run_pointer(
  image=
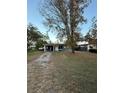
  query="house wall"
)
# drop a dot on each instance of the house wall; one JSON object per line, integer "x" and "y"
{"x": 56, "y": 48}
{"x": 44, "y": 48}
{"x": 49, "y": 48}
{"x": 83, "y": 47}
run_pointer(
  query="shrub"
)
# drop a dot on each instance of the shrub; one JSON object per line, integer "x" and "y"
{"x": 93, "y": 50}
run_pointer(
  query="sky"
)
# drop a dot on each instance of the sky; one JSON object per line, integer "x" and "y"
{"x": 34, "y": 17}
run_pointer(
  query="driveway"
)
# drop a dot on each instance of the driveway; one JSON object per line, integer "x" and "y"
{"x": 40, "y": 75}
{"x": 44, "y": 58}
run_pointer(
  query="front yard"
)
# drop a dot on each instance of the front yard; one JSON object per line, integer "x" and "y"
{"x": 76, "y": 73}
{"x": 65, "y": 73}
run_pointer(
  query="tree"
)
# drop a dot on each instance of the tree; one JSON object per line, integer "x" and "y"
{"x": 64, "y": 17}
{"x": 40, "y": 43}
{"x": 87, "y": 36}
{"x": 32, "y": 35}
{"x": 35, "y": 36}
{"x": 94, "y": 28}
{"x": 92, "y": 33}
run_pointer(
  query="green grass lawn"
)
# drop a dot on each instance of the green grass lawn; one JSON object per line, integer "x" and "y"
{"x": 31, "y": 55}
{"x": 76, "y": 73}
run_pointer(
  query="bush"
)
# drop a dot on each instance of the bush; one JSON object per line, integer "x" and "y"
{"x": 93, "y": 50}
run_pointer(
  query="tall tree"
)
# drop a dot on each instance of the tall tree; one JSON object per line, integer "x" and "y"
{"x": 64, "y": 17}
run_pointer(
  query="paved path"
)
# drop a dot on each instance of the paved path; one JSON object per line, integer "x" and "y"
{"x": 45, "y": 57}
{"x": 40, "y": 75}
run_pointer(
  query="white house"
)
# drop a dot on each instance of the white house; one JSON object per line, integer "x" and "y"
{"x": 82, "y": 46}
{"x": 54, "y": 47}
{"x": 87, "y": 45}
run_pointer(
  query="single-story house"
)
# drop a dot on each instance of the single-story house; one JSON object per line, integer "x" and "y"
{"x": 82, "y": 46}
{"x": 92, "y": 43}
{"x": 86, "y": 45}
{"x": 54, "y": 47}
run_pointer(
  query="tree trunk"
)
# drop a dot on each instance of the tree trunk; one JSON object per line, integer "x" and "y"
{"x": 73, "y": 23}
{"x": 72, "y": 40}
{"x": 73, "y": 50}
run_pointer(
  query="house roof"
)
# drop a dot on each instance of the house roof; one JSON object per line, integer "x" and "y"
{"x": 82, "y": 43}
{"x": 53, "y": 44}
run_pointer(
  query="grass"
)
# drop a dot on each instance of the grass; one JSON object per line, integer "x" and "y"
{"x": 31, "y": 55}
{"x": 76, "y": 73}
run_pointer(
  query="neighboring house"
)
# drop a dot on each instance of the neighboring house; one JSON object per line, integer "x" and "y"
{"x": 54, "y": 47}
{"x": 92, "y": 44}
{"x": 86, "y": 45}
{"x": 82, "y": 46}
